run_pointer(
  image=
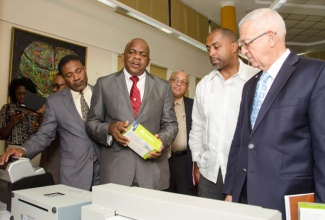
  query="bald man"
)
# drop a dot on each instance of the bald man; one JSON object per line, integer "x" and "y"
{"x": 180, "y": 161}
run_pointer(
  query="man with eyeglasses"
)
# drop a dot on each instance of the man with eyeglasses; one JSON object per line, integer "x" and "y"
{"x": 215, "y": 111}
{"x": 65, "y": 113}
{"x": 278, "y": 147}
{"x": 58, "y": 83}
{"x": 50, "y": 159}
{"x": 180, "y": 160}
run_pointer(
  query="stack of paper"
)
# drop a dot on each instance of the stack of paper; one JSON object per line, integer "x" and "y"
{"x": 311, "y": 211}
{"x": 291, "y": 204}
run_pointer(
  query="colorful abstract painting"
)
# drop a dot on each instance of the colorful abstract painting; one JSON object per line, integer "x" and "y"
{"x": 37, "y": 56}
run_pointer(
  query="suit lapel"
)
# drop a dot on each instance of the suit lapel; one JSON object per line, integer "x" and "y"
{"x": 69, "y": 104}
{"x": 147, "y": 91}
{"x": 251, "y": 91}
{"x": 188, "y": 113}
{"x": 121, "y": 84}
{"x": 280, "y": 81}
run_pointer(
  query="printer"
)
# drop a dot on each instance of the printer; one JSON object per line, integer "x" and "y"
{"x": 56, "y": 202}
{"x": 18, "y": 173}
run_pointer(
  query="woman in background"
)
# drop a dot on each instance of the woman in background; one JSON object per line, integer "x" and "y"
{"x": 18, "y": 124}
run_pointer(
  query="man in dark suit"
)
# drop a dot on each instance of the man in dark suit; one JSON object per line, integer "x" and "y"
{"x": 280, "y": 151}
{"x": 180, "y": 161}
{"x": 79, "y": 161}
{"x": 121, "y": 98}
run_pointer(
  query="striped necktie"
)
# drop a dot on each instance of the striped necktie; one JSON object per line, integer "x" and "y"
{"x": 135, "y": 96}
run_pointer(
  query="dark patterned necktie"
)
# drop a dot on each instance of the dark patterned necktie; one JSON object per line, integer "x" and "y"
{"x": 135, "y": 96}
{"x": 84, "y": 106}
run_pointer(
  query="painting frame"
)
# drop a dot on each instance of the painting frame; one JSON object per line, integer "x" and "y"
{"x": 36, "y": 56}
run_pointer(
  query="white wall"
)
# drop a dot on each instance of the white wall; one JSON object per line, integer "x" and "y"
{"x": 96, "y": 26}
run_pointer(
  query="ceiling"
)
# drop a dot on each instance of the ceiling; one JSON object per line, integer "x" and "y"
{"x": 305, "y": 19}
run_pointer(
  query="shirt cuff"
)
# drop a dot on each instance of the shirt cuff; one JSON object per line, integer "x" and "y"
{"x": 109, "y": 140}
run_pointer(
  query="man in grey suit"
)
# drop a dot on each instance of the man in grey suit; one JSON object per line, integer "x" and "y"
{"x": 79, "y": 161}
{"x": 112, "y": 111}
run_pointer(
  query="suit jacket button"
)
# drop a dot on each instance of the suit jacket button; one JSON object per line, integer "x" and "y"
{"x": 251, "y": 146}
{"x": 244, "y": 169}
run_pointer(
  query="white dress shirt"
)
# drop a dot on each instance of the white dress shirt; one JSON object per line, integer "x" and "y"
{"x": 76, "y": 98}
{"x": 129, "y": 83}
{"x": 141, "y": 83}
{"x": 214, "y": 119}
{"x": 274, "y": 69}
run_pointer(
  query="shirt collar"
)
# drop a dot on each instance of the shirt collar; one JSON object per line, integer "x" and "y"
{"x": 241, "y": 73}
{"x": 179, "y": 101}
{"x": 276, "y": 66}
{"x": 128, "y": 75}
{"x": 76, "y": 95}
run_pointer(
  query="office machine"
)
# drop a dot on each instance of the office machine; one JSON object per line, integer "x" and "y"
{"x": 139, "y": 203}
{"x": 56, "y": 202}
{"x": 18, "y": 173}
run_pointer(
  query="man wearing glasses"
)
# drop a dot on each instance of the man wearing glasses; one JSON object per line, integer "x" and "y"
{"x": 58, "y": 83}
{"x": 50, "y": 159}
{"x": 278, "y": 147}
{"x": 215, "y": 111}
{"x": 180, "y": 160}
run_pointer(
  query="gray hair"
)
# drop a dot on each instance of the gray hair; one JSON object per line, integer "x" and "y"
{"x": 266, "y": 17}
{"x": 177, "y": 71}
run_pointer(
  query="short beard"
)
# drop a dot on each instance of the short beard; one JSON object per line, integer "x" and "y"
{"x": 218, "y": 66}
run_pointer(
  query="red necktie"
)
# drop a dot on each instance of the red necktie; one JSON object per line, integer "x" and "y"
{"x": 135, "y": 96}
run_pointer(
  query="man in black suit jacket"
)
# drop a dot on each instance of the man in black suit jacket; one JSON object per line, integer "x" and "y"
{"x": 281, "y": 151}
{"x": 180, "y": 161}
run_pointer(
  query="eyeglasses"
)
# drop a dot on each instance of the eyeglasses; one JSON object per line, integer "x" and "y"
{"x": 247, "y": 43}
{"x": 176, "y": 80}
{"x": 57, "y": 85}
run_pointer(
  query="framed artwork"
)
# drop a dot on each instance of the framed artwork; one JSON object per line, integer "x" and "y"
{"x": 37, "y": 56}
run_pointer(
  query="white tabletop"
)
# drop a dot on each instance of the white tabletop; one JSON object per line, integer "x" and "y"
{"x": 4, "y": 214}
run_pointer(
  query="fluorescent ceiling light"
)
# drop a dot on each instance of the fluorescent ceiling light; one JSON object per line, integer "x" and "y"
{"x": 150, "y": 21}
{"x": 166, "y": 30}
{"x": 110, "y": 4}
{"x": 277, "y": 4}
{"x": 190, "y": 41}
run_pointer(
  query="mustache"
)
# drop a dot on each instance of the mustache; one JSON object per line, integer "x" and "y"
{"x": 215, "y": 59}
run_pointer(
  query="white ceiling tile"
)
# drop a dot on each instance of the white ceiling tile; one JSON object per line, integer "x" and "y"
{"x": 304, "y": 24}
{"x": 299, "y": 38}
{"x": 321, "y": 34}
{"x": 295, "y": 31}
{"x": 297, "y": 1}
{"x": 314, "y": 39}
{"x": 318, "y": 26}
{"x": 315, "y": 2}
{"x": 290, "y": 23}
{"x": 314, "y": 18}
{"x": 309, "y": 32}
{"x": 296, "y": 17}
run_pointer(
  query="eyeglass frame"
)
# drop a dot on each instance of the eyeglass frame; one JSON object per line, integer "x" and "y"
{"x": 247, "y": 43}
{"x": 176, "y": 80}
{"x": 57, "y": 85}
